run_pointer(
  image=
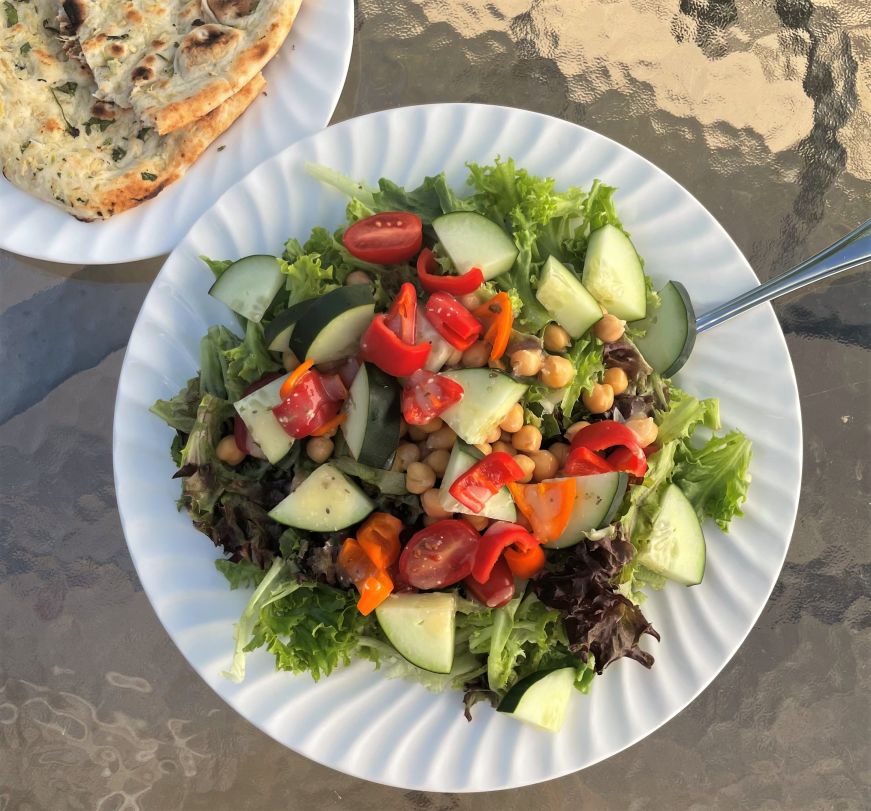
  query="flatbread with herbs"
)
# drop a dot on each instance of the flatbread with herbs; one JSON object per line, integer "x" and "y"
{"x": 173, "y": 62}
{"x": 91, "y": 158}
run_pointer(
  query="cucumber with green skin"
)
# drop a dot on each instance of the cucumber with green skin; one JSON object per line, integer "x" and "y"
{"x": 597, "y": 499}
{"x": 249, "y": 285}
{"x": 372, "y": 426}
{"x": 421, "y": 627}
{"x": 613, "y": 274}
{"x": 472, "y": 240}
{"x": 255, "y": 409}
{"x": 566, "y": 299}
{"x": 331, "y": 328}
{"x": 488, "y": 396}
{"x": 276, "y": 334}
{"x": 541, "y": 698}
{"x": 670, "y": 332}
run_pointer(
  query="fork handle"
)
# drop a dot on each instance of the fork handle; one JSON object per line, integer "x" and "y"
{"x": 846, "y": 253}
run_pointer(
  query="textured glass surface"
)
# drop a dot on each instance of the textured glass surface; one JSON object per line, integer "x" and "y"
{"x": 763, "y": 111}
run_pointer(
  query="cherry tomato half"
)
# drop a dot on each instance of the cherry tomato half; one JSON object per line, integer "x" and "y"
{"x": 425, "y": 395}
{"x": 385, "y": 239}
{"x": 439, "y": 555}
{"x": 497, "y": 590}
{"x": 307, "y": 407}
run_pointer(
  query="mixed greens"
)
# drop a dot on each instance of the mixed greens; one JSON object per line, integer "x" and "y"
{"x": 444, "y": 439}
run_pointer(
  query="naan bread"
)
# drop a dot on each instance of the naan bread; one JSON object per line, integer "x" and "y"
{"x": 173, "y": 62}
{"x": 89, "y": 157}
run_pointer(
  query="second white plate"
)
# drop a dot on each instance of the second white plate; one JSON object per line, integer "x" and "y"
{"x": 392, "y": 731}
{"x": 304, "y": 82}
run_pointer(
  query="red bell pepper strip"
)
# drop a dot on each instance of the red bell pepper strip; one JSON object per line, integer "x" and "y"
{"x": 427, "y": 266}
{"x": 484, "y": 479}
{"x": 426, "y": 394}
{"x": 402, "y": 315}
{"x": 524, "y": 563}
{"x": 600, "y": 436}
{"x": 498, "y": 319}
{"x": 547, "y": 506}
{"x": 383, "y": 347}
{"x": 494, "y": 541}
{"x": 584, "y": 462}
{"x": 452, "y": 321}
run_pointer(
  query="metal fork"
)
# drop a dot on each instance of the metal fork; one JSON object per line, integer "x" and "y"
{"x": 845, "y": 254}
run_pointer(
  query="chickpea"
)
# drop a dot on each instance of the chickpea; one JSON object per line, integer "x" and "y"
{"x": 432, "y": 506}
{"x": 556, "y": 371}
{"x": 645, "y": 429}
{"x": 289, "y": 361}
{"x": 416, "y": 433}
{"x": 503, "y": 447}
{"x": 556, "y": 339}
{"x": 228, "y": 451}
{"x": 546, "y": 465}
{"x": 476, "y": 355}
{"x": 526, "y": 439}
{"x": 357, "y": 277}
{"x": 609, "y": 328}
{"x": 419, "y": 478}
{"x": 513, "y": 420}
{"x": 435, "y": 424}
{"x": 444, "y": 437}
{"x": 438, "y": 461}
{"x": 319, "y": 448}
{"x": 527, "y": 466}
{"x": 600, "y": 399}
{"x": 478, "y": 522}
{"x": 405, "y": 454}
{"x": 525, "y": 362}
{"x": 470, "y": 300}
{"x": 616, "y": 379}
{"x": 485, "y": 448}
{"x": 560, "y": 452}
{"x": 495, "y": 435}
{"x": 574, "y": 428}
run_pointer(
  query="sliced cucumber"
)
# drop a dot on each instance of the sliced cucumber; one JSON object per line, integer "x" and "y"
{"x": 421, "y": 628}
{"x": 500, "y": 506}
{"x": 331, "y": 328}
{"x": 487, "y": 397}
{"x": 372, "y": 426}
{"x": 276, "y": 333}
{"x": 326, "y": 501}
{"x": 670, "y": 332}
{"x": 566, "y": 299}
{"x": 613, "y": 274}
{"x": 256, "y": 412}
{"x": 676, "y": 548}
{"x": 542, "y": 698}
{"x": 441, "y": 350}
{"x": 248, "y": 286}
{"x": 473, "y": 241}
{"x": 597, "y": 499}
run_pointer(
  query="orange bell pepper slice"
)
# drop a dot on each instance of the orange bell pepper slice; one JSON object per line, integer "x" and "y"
{"x": 354, "y": 563}
{"x": 498, "y": 319}
{"x": 328, "y": 426}
{"x": 547, "y": 506}
{"x": 379, "y": 539}
{"x": 524, "y": 563}
{"x": 293, "y": 378}
{"x": 374, "y": 591}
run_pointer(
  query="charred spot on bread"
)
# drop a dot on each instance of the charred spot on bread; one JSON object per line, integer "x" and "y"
{"x": 75, "y": 11}
{"x": 104, "y": 110}
{"x": 206, "y": 44}
{"x": 230, "y": 10}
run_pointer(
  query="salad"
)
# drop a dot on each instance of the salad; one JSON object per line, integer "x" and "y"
{"x": 444, "y": 439}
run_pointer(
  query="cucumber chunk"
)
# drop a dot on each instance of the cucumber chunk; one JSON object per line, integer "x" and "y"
{"x": 613, "y": 274}
{"x": 487, "y": 397}
{"x": 276, "y": 334}
{"x": 331, "y": 328}
{"x": 597, "y": 499}
{"x": 670, "y": 332}
{"x": 471, "y": 240}
{"x": 326, "y": 501}
{"x": 256, "y": 412}
{"x": 371, "y": 428}
{"x": 500, "y": 506}
{"x": 421, "y": 627}
{"x": 248, "y": 286}
{"x": 676, "y": 548}
{"x": 542, "y": 698}
{"x": 566, "y": 299}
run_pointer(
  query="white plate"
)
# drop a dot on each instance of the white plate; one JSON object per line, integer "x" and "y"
{"x": 395, "y": 732}
{"x": 304, "y": 81}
